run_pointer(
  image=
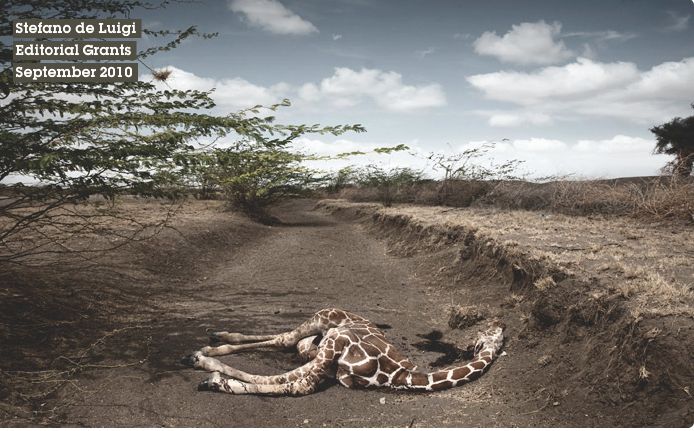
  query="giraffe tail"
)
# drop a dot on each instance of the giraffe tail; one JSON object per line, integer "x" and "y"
{"x": 487, "y": 349}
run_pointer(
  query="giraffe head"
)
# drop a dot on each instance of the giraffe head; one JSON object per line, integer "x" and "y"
{"x": 492, "y": 339}
{"x": 307, "y": 348}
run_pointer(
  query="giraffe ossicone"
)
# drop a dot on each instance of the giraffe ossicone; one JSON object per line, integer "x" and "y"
{"x": 337, "y": 344}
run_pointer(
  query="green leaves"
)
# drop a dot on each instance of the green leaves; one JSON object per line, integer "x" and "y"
{"x": 181, "y": 35}
{"x": 76, "y": 140}
{"x": 389, "y": 150}
{"x": 251, "y": 173}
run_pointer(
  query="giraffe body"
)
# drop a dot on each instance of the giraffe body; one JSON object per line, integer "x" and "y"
{"x": 337, "y": 345}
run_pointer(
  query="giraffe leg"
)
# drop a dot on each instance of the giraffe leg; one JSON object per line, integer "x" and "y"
{"x": 236, "y": 338}
{"x": 304, "y": 386}
{"x": 305, "y": 346}
{"x": 301, "y": 381}
{"x": 226, "y": 349}
{"x": 203, "y": 362}
{"x": 313, "y": 326}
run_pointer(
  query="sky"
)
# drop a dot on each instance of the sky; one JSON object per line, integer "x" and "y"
{"x": 569, "y": 87}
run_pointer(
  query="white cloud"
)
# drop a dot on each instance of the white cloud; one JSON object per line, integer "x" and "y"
{"x": 605, "y": 35}
{"x": 671, "y": 80}
{"x": 271, "y": 15}
{"x": 349, "y": 87}
{"x": 345, "y": 88}
{"x": 539, "y": 145}
{"x": 337, "y": 36}
{"x": 618, "y": 144}
{"x": 588, "y": 52}
{"x": 619, "y": 156}
{"x": 424, "y": 52}
{"x": 309, "y": 92}
{"x": 234, "y": 93}
{"x": 513, "y": 119}
{"x": 525, "y": 43}
{"x": 575, "y": 79}
{"x": 589, "y": 88}
{"x": 677, "y": 22}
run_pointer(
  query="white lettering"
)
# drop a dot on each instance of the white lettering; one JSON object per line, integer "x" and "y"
{"x": 41, "y": 28}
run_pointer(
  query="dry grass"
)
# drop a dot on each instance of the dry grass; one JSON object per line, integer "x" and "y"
{"x": 649, "y": 264}
{"x": 658, "y": 198}
{"x": 545, "y": 283}
{"x": 653, "y": 291}
{"x": 649, "y": 197}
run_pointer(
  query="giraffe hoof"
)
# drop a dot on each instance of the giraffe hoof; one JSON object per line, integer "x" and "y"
{"x": 211, "y": 383}
{"x": 188, "y": 361}
{"x": 191, "y": 360}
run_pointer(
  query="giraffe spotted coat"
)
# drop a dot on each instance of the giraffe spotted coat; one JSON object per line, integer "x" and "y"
{"x": 336, "y": 345}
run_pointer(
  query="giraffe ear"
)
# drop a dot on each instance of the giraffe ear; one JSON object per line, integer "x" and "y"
{"x": 478, "y": 346}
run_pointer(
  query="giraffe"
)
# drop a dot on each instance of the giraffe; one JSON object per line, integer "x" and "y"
{"x": 336, "y": 344}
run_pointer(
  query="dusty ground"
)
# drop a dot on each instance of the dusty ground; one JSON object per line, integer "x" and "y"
{"x": 110, "y": 333}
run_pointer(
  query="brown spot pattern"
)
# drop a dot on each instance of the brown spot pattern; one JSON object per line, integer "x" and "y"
{"x": 354, "y": 351}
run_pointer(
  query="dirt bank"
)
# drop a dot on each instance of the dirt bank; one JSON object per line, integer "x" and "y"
{"x": 609, "y": 301}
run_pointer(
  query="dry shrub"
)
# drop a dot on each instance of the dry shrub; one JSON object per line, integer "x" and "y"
{"x": 545, "y": 283}
{"x": 359, "y": 194}
{"x": 569, "y": 197}
{"x": 406, "y": 193}
{"x": 671, "y": 199}
{"x": 647, "y": 197}
{"x": 454, "y": 193}
{"x": 463, "y": 193}
{"x": 461, "y": 317}
{"x": 643, "y": 197}
{"x": 427, "y": 194}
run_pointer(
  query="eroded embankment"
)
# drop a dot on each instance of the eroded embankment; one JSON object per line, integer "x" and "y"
{"x": 609, "y": 300}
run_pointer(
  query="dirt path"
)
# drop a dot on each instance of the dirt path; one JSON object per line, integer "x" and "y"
{"x": 271, "y": 285}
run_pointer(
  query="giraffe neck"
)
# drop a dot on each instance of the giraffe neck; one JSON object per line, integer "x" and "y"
{"x": 448, "y": 378}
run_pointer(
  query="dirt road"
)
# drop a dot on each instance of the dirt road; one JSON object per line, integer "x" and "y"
{"x": 270, "y": 281}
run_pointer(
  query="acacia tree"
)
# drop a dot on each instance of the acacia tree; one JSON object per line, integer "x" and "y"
{"x": 75, "y": 140}
{"x": 387, "y": 182}
{"x": 255, "y": 171}
{"x": 464, "y": 166}
{"x": 676, "y": 137}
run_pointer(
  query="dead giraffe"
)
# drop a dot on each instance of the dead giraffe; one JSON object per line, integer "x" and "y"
{"x": 341, "y": 345}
